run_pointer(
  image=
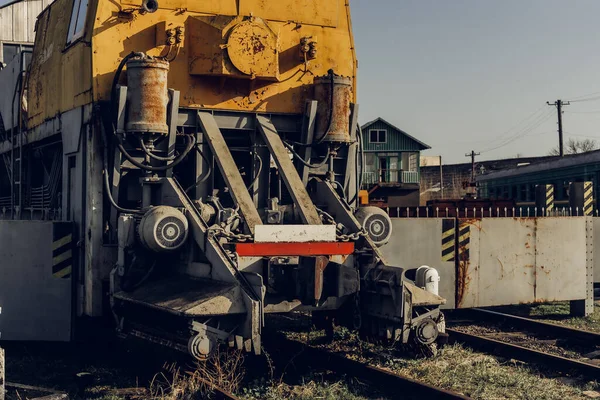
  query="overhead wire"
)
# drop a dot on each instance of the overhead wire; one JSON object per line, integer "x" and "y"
{"x": 524, "y": 131}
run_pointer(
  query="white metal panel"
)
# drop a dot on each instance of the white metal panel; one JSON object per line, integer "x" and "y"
{"x": 596, "y": 224}
{"x": 20, "y": 21}
{"x": 34, "y": 8}
{"x": 6, "y": 24}
{"x": 561, "y": 259}
{"x": 294, "y": 233}
{"x": 419, "y": 241}
{"x": 500, "y": 268}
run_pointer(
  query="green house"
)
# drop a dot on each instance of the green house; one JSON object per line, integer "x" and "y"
{"x": 391, "y": 174}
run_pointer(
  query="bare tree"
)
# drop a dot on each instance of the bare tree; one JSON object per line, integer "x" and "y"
{"x": 574, "y": 146}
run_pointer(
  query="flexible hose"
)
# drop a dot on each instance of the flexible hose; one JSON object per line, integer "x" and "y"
{"x": 107, "y": 182}
{"x": 260, "y": 167}
{"x": 299, "y": 157}
{"x": 359, "y": 155}
{"x": 190, "y": 145}
{"x": 115, "y": 81}
{"x": 208, "y": 172}
{"x": 152, "y": 155}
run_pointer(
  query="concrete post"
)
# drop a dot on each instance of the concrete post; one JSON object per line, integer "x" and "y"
{"x": 544, "y": 200}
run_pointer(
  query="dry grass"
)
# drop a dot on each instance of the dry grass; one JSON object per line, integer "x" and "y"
{"x": 223, "y": 369}
{"x": 462, "y": 370}
{"x": 485, "y": 377}
{"x": 312, "y": 386}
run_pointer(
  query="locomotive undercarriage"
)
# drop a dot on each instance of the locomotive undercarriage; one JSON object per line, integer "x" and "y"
{"x": 215, "y": 285}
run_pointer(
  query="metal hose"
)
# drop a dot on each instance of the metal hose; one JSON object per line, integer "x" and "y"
{"x": 190, "y": 145}
{"x": 107, "y": 182}
{"x": 299, "y": 157}
{"x": 152, "y": 155}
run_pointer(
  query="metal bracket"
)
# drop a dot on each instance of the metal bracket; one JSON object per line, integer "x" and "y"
{"x": 288, "y": 172}
{"x": 229, "y": 170}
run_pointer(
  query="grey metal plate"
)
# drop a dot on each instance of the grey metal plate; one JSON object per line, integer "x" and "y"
{"x": 420, "y": 241}
{"x": 189, "y": 296}
{"x": 35, "y": 284}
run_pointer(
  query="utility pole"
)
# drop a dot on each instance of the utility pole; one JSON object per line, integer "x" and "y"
{"x": 559, "y": 105}
{"x": 472, "y": 154}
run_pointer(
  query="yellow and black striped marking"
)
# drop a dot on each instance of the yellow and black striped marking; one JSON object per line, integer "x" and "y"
{"x": 62, "y": 251}
{"x": 448, "y": 240}
{"x": 549, "y": 198}
{"x": 464, "y": 240}
{"x": 588, "y": 198}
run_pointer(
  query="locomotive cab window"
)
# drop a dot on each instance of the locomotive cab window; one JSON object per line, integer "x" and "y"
{"x": 77, "y": 24}
{"x": 377, "y": 136}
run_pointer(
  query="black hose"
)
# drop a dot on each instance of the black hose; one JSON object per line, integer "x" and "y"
{"x": 191, "y": 143}
{"x": 260, "y": 167}
{"x": 359, "y": 154}
{"x": 113, "y": 88}
{"x": 206, "y": 175}
{"x": 332, "y": 77}
{"x": 107, "y": 182}
{"x": 152, "y": 155}
{"x": 299, "y": 157}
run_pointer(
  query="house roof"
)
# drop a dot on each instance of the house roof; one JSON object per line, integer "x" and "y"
{"x": 592, "y": 157}
{"x": 424, "y": 145}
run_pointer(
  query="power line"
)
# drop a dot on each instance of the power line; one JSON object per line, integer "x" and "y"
{"x": 524, "y": 131}
{"x": 585, "y": 95}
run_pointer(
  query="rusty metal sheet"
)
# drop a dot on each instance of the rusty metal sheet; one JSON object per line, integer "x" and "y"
{"x": 309, "y": 12}
{"x": 561, "y": 259}
{"x": 496, "y": 262}
{"x": 425, "y": 241}
{"x": 505, "y": 261}
{"x": 596, "y": 239}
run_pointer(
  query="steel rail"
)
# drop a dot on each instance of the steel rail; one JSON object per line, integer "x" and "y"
{"x": 503, "y": 349}
{"x": 383, "y": 380}
{"x": 540, "y": 327}
{"x": 220, "y": 394}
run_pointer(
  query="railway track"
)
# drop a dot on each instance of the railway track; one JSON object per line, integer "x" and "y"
{"x": 536, "y": 326}
{"x": 394, "y": 385}
{"x": 219, "y": 393}
{"x": 502, "y": 348}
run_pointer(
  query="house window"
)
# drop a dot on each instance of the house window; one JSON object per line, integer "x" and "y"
{"x": 378, "y": 136}
{"x": 77, "y": 25}
{"x": 412, "y": 162}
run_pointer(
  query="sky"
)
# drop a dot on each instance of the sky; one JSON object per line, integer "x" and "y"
{"x": 464, "y": 75}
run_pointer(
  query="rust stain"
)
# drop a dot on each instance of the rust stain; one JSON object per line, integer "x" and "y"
{"x": 463, "y": 279}
{"x": 527, "y": 245}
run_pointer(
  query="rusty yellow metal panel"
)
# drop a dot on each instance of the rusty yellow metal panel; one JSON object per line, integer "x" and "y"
{"x": 310, "y": 12}
{"x": 216, "y": 7}
{"x": 204, "y": 72}
{"x": 275, "y": 76}
{"x": 60, "y": 78}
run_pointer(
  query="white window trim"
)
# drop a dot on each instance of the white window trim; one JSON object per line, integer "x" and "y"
{"x": 378, "y": 130}
{"x": 73, "y": 36}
